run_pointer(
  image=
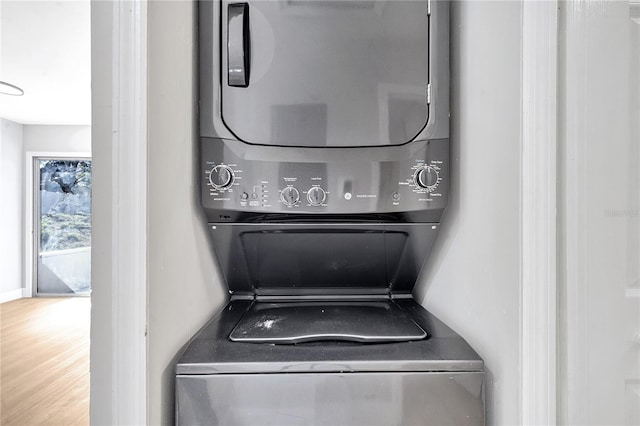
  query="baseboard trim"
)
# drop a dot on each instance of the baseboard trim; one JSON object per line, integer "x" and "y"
{"x": 8, "y": 296}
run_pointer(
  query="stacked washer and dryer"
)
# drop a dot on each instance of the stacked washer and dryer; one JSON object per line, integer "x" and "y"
{"x": 324, "y": 175}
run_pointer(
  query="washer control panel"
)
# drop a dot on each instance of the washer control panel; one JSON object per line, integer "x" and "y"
{"x": 326, "y": 181}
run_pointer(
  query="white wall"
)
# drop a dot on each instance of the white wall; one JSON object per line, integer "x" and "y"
{"x": 11, "y": 222}
{"x": 185, "y": 288}
{"x": 599, "y": 214}
{"x": 57, "y": 138}
{"x": 16, "y": 140}
{"x": 472, "y": 279}
{"x": 64, "y": 140}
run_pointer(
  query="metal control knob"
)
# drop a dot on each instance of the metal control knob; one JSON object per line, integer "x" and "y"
{"x": 426, "y": 177}
{"x": 221, "y": 177}
{"x": 290, "y": 196}
{"x": 316, "y": 196}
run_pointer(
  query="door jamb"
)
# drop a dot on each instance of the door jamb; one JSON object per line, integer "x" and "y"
{"x": 538, "y": 314}
{"x": 119, "y": 209}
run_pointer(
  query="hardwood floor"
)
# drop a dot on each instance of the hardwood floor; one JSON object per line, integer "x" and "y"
{"x": 44, "y": 361}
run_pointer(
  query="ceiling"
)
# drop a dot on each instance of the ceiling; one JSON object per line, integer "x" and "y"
{"x": 45, "y": 49}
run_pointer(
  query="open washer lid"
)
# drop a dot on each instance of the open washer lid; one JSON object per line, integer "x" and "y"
{"x": 299, "y": 322}
{"x": 321, "y": 259}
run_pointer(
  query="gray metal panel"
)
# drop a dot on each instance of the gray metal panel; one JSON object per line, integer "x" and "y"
{"x": 211, "y": 124}
{"x": 438, "y": 126}
{"x": 211, "y": 351}
{"x": 300, "y": 322}
{"x": 331, "y": 399}
{"x": 355, "y": 181}
{"x": 321, "y": 258}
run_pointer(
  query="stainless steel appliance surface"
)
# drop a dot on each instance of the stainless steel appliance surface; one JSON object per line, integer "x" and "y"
{"x": 241, "y": 182}
{"x": 436, "y": 381}
{"x": 324, "y": 173}
{"x": 324, "y": 73}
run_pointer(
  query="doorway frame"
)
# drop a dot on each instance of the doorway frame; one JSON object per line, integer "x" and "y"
{"x": 30, "y": 231}
{"x": 538, "y": 233}
{"x": 119, "y": 211}
{"x": 118, "y": 346}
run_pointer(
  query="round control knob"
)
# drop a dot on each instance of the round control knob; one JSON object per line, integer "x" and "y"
{"x": 316, "y": 196}
{"x": 426, "y": 177}
{"x": 221, "y": 177}
{"x": 290, "y": 196}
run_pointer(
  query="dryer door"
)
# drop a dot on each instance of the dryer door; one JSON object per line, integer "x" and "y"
{"x": 324, "y": 73}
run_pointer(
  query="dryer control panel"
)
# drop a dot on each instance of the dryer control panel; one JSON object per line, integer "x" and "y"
{"x": 238, "y": 178}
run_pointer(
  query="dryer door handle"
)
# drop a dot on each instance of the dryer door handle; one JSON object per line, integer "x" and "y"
{"x": 238, "y": 44}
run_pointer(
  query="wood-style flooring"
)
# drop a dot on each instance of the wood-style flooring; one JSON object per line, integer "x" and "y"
{"x": 44, "y": 361}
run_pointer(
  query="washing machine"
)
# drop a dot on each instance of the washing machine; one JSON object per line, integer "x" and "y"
{"x": 324, "y": 173}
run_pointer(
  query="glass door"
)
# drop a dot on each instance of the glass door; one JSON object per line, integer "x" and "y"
{"x": 63, "y": 226}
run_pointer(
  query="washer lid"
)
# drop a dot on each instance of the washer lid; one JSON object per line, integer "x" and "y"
{"x": 325, "y": 73}
{"x": 299, "y": 322}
